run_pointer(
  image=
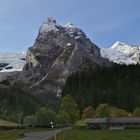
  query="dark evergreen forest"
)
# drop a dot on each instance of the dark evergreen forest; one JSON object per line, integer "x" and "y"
{"x": 13, "y": 101}
{"x": 118, "y": 86}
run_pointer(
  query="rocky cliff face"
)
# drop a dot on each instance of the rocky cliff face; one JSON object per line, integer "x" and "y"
{"x": 57, "y": 52}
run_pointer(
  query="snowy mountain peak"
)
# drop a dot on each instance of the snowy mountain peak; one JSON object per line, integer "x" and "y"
{"x": 122, "y": 53}
{"x": 118, "y": 43}
{"x": 49, "y": 25}
{"x": 125, "y": 48}
{"x": 69, "y": 25}
{"x": 74, "y": 32}
{"x": 51, "y": 20}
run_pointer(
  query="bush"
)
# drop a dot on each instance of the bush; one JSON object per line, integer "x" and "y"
{"x": 80, "y": 125}
{"x": 44, "y": 116}
{"x": 117, "y": 112}
{"x": 103, "y": 110}
{"x": 88, "y": 112}
{"x": 30, "y": 120}
{"x": 137, "y": 112}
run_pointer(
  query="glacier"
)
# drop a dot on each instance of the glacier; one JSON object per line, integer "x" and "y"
{"x": 122, "y": 53}
{"x": 10, "y": 62}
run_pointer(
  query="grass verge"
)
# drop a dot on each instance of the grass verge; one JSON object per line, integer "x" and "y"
{"x": 14, "y": 134}
{"x": 7, "y": 123}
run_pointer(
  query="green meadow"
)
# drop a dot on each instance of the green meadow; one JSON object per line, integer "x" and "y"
{"x": 104, "y": 135}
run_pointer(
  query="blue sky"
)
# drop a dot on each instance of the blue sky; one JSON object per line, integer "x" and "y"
{"x": 104, "y": 21}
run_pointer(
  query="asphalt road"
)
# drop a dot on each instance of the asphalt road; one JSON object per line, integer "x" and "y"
{"x": 42, "y": 135}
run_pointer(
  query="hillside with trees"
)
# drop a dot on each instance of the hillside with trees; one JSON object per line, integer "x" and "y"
{"x": 118, "y": 86}
{"x": 14, "y": 102}
{"x": 107, "y": 91}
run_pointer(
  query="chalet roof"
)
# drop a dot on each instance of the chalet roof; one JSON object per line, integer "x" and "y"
{"x": 124, "y": 120}
{"x": 128, "y": 120}
{"x": 96, "y": 120}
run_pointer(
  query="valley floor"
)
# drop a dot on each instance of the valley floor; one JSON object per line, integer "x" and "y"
{"x": 104, "y": 135}
{"x": 133, "y": 134}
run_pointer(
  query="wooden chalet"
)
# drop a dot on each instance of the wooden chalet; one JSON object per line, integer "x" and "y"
{"x": 113, "y": 122}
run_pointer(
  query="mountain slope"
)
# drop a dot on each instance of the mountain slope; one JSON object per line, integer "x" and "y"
{"x": 122, "y": 53}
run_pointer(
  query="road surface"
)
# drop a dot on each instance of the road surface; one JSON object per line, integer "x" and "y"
{"x": 45, "y": 135}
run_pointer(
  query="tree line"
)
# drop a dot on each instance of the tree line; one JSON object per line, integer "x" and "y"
{"x": 69, "y": 114}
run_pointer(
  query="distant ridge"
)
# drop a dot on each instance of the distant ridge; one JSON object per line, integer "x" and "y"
{"x": 122, "y": 53}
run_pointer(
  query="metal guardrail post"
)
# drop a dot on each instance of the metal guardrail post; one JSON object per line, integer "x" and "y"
{"x": 55, "y": 137}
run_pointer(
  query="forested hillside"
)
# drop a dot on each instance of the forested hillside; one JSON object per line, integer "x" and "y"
{"x": 118, "y": 85}
{"x": 14, "y": 101}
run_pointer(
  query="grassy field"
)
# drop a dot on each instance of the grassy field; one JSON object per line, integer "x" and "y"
{"x": 80, "y": 134}
{"x": 9, "y": 135}
{"x": 14, "y": 134}
{"x": 7, "y": 123}
{"x": 103, "y": 135}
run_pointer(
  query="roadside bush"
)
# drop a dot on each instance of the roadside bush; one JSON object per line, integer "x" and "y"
{"x": 30, "y": 120}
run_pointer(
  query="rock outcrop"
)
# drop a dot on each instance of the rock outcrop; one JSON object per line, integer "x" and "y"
{"x": 57, "y": 52}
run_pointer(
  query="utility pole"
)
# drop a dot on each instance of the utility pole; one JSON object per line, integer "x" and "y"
{"x": 19, "y": 118}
